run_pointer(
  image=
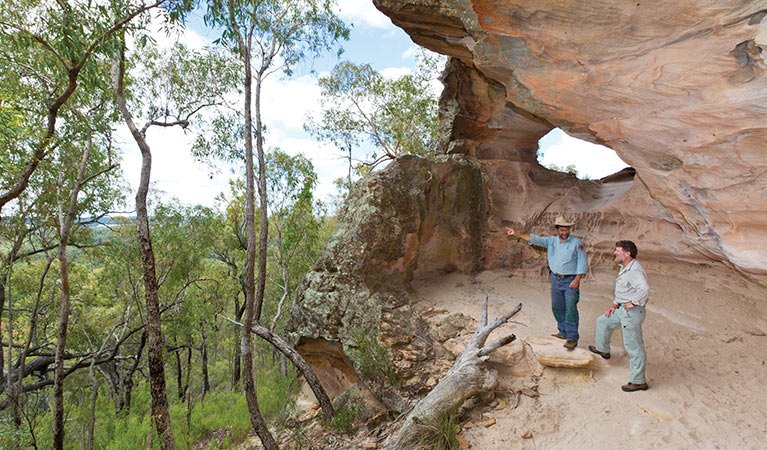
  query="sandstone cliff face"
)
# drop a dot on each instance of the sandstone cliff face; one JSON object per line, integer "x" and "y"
{"x": 677, "y": 89}
{"x": 414, "y": 216}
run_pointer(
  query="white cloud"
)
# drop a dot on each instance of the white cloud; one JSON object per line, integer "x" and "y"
{"x": 165, "y": 37}
{"x": 362, "y": 12}
{"x": 590, "y": 160}
{"x": 411, "y": 52}
{"x": 174, "y": 171}
{"x": 285, "y": 104}
{"x": 392, "y": 73}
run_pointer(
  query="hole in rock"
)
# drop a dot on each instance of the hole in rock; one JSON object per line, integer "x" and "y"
{"x": 330, "y": 364}
{"x": 564, "y": 153}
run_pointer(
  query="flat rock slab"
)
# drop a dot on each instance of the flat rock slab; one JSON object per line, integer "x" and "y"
{"x": 550, "y": 352}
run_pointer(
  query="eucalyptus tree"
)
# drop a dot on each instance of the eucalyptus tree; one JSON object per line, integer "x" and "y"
{"x": 67, "y": 209}
{"x": 269, "y": 36}
{"x": 296, "y": 229}
{"x": 169, "y": 93}
{"x": 44, "y": 217}
{"x": 49, "y": 50}
{"x": 395, "y": 116}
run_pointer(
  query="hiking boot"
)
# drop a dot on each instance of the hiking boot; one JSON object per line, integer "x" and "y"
{"x": 559, "y": 336}
{"x": 604, "y": 355}
{"x": 570, "y": 345}
{"x": 631, "y": 387}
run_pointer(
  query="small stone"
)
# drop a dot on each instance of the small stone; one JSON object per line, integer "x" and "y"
{"x": 489, "y": 423}
{"x": 525, "y": 433}
{"x": 501, "y": 405}
{"x": 514, "y": 399}
{"x": 530, "y": 392}
{"x": 487, "y": 397}
{"x": 410, "y": 356}
{"x": 370, "y": 446}
{"x": 463, "y": 443}
{"x": 454, "y": 346}
{"x": 469, "y": 425}
{"x": 431, "y": 382}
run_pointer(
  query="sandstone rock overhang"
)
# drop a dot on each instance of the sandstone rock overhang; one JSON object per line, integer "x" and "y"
{"x": 677, "y": 89}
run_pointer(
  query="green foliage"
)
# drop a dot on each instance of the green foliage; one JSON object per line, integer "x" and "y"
{"x": 13, "y": 437}
{"x": 299, "y": 30}
{"x": 370, "y": 356}
{"x": 219, "y": 410}
{"x": 361, "y": 107}
{"x": 343, "y": 420}
{"x": 439, "y": 434}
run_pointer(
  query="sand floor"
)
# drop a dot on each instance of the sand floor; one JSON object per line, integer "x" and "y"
{"x": 706, "y": 349}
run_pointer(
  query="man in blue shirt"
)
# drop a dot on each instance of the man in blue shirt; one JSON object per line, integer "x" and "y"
{"x": 568, "y": 264}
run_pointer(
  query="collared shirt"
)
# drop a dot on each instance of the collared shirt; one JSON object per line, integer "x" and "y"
{"x": 565, "y": 258}
{"x": 631, "y": 285}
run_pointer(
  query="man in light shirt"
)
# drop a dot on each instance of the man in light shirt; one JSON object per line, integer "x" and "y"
{"x": 627, "y": 311}
{"x": 568, "y": 263}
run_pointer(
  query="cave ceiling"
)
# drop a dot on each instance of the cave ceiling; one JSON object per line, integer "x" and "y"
{"x": 677, "y": 89}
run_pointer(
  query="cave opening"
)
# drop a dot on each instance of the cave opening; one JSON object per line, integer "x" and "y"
{"x": 561, "y": 152}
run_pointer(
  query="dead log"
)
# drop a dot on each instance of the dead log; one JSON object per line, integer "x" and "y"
{"x": 468, "y": 377}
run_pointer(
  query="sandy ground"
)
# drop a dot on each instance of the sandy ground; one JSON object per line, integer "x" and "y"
{"x": 706, "y": 349}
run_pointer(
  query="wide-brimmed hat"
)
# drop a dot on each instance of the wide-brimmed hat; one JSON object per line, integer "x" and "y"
{"x": 561, "y": 222}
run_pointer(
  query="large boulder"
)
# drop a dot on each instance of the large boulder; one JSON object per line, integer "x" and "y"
{"x": 414, "y": 216}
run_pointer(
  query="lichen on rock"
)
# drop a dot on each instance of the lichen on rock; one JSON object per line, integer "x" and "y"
{"x": 415, "y": 216}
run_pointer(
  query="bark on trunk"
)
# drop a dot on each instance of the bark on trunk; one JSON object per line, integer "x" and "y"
{"x": 159, "y": 402}
{"x": 65, "y": 227}
{"x": 252, "y": 305}
{"x": 179, "y": 375}
{"x": 129, "y": 375}
{"x": 204, "y": 358}
{"x": 468, "y": 377}
{"x": 302, "y": 366}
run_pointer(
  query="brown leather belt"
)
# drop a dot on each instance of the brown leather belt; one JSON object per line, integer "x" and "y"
{"x": 561, "y": 277}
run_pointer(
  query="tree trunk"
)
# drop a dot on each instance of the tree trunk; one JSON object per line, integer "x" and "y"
{"x": 188, "y": 369}
{"x": 237, "y": 369}
{"x": 159, "y": 403}
{"x": 94, "y": 391}
{"x": 301, "y": 365}
{"x": 2, "y": 355}
{"x": 204, "y": 358}
{"x": 468, "y": 377}
{"x": 65, "y": 227}
{"x": 129, "y": 375}
{"x": 179, "y": 375}
{"x": 252, "y": 304}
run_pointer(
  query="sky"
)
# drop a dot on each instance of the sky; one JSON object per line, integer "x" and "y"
{"x": 286, "y": 103}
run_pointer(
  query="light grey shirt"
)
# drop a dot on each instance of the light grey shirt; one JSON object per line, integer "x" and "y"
{"x": 631, "y": 285}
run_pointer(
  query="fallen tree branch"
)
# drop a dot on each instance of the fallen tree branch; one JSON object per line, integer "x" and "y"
{"x": 467, "y": 378}
{"x": 300, "y": 364}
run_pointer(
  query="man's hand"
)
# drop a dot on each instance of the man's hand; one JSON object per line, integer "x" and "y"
{"x": 515, "y": 233}
{"x": 611, "y": 310}
{"x": 575, "y": 284}
{"x": 629, "y": 305}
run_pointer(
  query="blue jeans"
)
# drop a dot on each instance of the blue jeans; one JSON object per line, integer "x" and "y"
{"x": 564, "y": 305}
{"x": 630, "y": 321}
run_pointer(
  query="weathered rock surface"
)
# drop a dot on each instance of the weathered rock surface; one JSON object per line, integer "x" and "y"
{"x": 677, "y": 89}
{"x": 550, "y": 352}
{"x": 415, "y": 215}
